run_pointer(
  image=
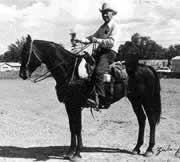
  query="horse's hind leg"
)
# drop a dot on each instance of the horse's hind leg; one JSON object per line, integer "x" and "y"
{"x": 149, "y": 151}
{"x": 137, "y": 107}
{"x": 152, "y": 124}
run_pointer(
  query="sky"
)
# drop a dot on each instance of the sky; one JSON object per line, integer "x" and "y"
{"x": 53, "y": 20}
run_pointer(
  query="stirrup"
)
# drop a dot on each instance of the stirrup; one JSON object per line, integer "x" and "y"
{"x": 94, "y": 103}
{"x": 91, "y": 102}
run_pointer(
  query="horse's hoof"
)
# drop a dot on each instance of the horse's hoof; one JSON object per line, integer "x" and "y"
{"x": 177, "y": 154}
{"x": 68, "y": 156}
{"x": 136, "y": 151}
{"x": 76, "y": 158}
{"x": 148, "y": 153}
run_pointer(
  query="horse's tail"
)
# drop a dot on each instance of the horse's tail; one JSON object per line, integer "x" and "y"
{"x": 156, "y": 97}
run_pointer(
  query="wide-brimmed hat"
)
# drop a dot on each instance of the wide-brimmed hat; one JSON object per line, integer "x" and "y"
{"x": 108, "y": 7}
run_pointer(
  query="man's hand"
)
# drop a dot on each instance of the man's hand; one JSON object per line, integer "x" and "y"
{"x": 93, "y": 39}
{"x": 83, "y": 40}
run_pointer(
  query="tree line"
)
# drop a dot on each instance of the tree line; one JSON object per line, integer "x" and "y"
{"x": 148, "y": 49}
{"x": 14, "y": 51}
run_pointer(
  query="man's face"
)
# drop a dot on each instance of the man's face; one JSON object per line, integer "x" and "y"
{"x": 107, "y": 15}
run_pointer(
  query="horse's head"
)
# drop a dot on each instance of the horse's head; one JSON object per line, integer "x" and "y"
{"x": 131, "y": 54}
{"x": 29, "y": 60}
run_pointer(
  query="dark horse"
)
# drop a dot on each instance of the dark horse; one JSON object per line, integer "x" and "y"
{"x": 144, "y": 91}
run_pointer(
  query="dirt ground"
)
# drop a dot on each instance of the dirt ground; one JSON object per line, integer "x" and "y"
{"x": 34, "y": 126}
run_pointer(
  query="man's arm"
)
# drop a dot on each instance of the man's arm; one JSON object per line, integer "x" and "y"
{"x": 108, "y": 42}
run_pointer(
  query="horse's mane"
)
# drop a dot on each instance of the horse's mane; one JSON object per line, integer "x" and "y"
{"x": 55, "y": 53}
{"x": 54, "y": 45}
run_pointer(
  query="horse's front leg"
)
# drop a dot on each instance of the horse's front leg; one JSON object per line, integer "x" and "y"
{"x": 73, "y": 144}
{"x": 78, "y": 127}
{"x": 72, "y": 147}
{"x": 74, "y": 114}
{"x": 80, "y": 140}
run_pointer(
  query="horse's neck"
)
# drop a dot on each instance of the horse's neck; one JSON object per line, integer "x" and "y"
{"x": 59, "y": 61}
{"x": 60, "y": 65}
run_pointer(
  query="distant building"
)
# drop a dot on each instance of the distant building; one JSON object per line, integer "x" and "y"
{"x": 157, "y": 64}
{"x": 175, "y": 63}
{"x": 9, "y": 66}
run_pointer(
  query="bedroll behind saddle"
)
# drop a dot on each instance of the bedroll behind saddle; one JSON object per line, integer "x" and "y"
{"x": 118, "y": 71}
{"x": 115, "y": 82}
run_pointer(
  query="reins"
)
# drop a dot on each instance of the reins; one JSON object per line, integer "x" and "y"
{"x": 35, "y": 51}
{"x": 77, "y": 54}
{"x": 41, "y": 77}
{"x": 44, "y": 76}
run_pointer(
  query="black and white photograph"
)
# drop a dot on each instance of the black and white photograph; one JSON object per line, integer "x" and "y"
{"x": 90, "y": 80}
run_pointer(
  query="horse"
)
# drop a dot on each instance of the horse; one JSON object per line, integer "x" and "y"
{"x": 143, "y": 91}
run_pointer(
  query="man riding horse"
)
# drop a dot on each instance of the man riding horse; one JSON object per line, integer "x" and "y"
{"x": 106, "y": 37}
{"x": 143, "y": 82}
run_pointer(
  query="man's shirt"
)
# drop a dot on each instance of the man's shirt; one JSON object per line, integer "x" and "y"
{"x": 108, "y": 35}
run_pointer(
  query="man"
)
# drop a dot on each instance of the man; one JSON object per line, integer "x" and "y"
{"x": 106, "y": 38}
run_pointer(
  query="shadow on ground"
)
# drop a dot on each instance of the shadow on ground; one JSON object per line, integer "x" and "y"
{"x": 51, "y": 152}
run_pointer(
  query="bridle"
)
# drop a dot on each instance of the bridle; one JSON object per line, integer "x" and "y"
{"x": 35, "y": 51}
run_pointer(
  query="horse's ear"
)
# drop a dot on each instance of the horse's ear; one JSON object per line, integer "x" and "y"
{"x": 28, "y": 39}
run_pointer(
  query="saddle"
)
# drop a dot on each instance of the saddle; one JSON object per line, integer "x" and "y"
{"x": 115, "y": 82}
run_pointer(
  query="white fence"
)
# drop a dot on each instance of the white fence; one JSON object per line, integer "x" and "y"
{"x": 9, "y": 66}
